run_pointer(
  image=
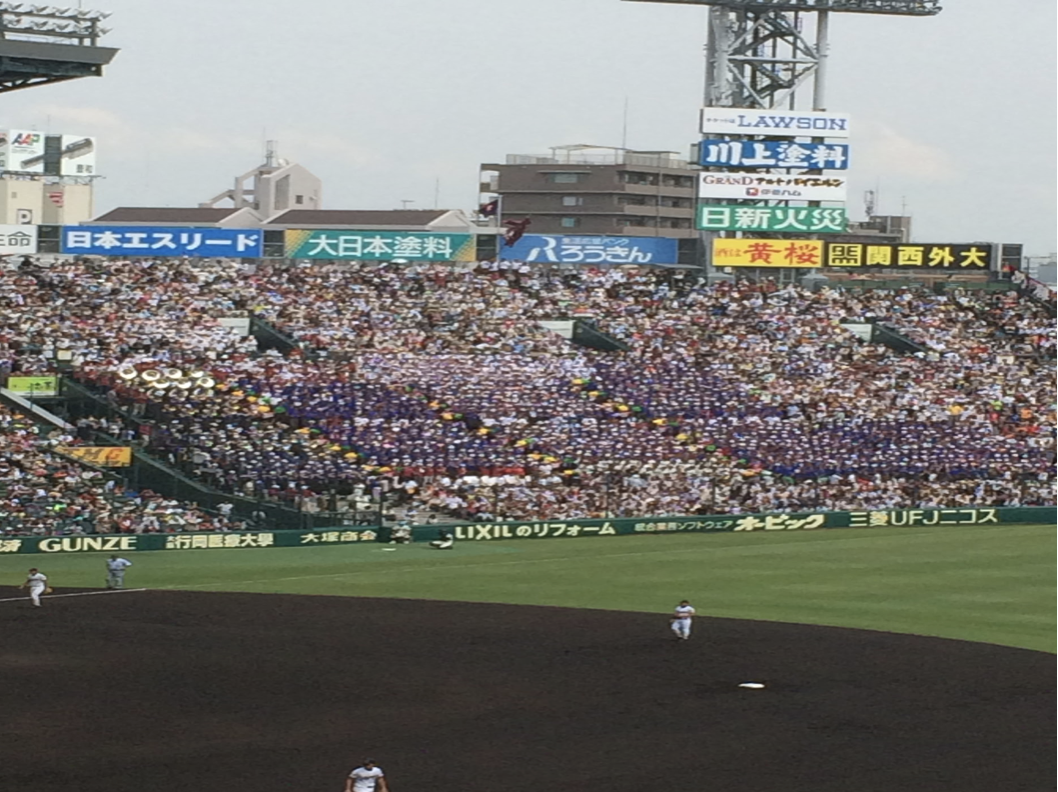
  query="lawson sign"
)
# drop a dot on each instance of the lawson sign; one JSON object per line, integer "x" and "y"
{"x": 157, "y": 241}
{"x": 773, "y": 123}
{"x": 591, "y": 250}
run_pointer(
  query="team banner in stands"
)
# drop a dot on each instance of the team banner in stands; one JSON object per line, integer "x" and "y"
{"x": 773, "y": 122}
{"x": 102, "y": 456}
{"x": 974, "y": 258}
{"x": 592, "y": 250}
{"x": 379, "y": 245}
{"x": 540, "y": 529}
{"x": 33, "y": 386}
{"x": 155, "y": 241}
{"x": 713, "y": 153}
{"x": 767, "y": 253}
{"x": 771, "y": 186}
{"x": 18, "y": 239}
{"x": 730, "y": 217}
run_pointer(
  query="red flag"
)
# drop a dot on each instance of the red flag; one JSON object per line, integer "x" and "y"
{"x": 515, "y": 229}
{"x": 490, "y": 209}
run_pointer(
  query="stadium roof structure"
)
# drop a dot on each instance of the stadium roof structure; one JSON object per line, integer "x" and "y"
{"x": 374, "y": 219}
{"x": 179, "y": 215}
{"x": 44, "y": 44}
{"x": 899, "y": 7}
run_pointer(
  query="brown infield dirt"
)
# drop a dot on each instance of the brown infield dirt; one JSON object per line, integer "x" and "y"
{"x": 203, "y": 692}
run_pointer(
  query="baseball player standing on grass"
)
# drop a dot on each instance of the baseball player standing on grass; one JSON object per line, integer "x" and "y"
{"x": 366, "y": 778}
{"x": 37, "y": 583}
{"x": 116, "y": 572}
{"x": 681, "y": 620}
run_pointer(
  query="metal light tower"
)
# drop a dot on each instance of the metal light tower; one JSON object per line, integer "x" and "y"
{"x": 759, "y": 52}
{"x": 42, "y": 44}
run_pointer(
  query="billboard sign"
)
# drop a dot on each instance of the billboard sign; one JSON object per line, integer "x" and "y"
{"x": 713, "y": 153}
{"x": 379, "y": 245}
{"x": 22, "y": 151}
{"x": 592, "y": 250}
{"x": 16, "y": 239}
{"x": 792, "y": 253}
{"x": 973, "y": 258}
{"x": 773, "y": 122}
{"x": 801, "y": 219}
{"x": 161, "y": 241}
{"x": 77, "y": 156}
{"x": 771, "y": 187}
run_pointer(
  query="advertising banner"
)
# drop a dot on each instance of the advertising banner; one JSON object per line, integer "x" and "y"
{"x": 771, "y": 187}
{"x": 592, "y": 250}
{"x": 77, "y": 156}
{"x": 154, "y": 241}
{"x": 16, "y": 239}
{"x": 379, "y": 245}
{"x": 974, "y": 258}
{"x": 101, "y": 456}
{"x": 33, "y": 386}
{"x": 22, "y": 151}
{"x": 727, "y": 217}
{"x": 533, "y": 529}
{"x": 772, "y": 154}
{"x": 767, "y": 253}
{"x": 773, "y": 123}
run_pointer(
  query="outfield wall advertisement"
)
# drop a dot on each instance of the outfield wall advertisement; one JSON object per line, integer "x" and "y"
{"x": 379, "y": 245}
{"x": 551, "y": 529}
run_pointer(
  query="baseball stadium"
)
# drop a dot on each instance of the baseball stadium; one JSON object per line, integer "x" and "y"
{"x": 744, "y": 496}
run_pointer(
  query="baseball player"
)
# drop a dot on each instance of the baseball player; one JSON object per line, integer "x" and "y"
{"x": 366, "y": 778}
{"x": 116, "y": 567}
{"x": 681, "y": 620}
{"x": 37, "y": 583}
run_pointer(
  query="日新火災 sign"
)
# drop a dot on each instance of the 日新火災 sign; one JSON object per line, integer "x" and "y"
{"x": 771, "y": 186}
{"x": 935, "y": 256}
{"x": 152, "y": 241}
{"x": 727, "y": 217}
{"x": 767, "y": 253}
{"x": 379, "y": 245}
{"x": 773, "y": 122}
{"x": 772, "y": 154}
{"x": 592, "y": 250}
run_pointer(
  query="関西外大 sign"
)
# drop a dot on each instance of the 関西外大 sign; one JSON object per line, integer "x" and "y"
{"x": 935, "y": 256}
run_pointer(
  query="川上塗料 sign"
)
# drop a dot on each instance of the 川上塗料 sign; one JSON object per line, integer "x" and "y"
{"x": 773, "y": 154}
{"x": 15, "y": 239}
{"x": 162, "y": 241}
{"x": 592, "y": 250}
{"x": 379, "y": 245}
{"x": 771, "y": 186}
{"x": 773, "y": 122}
{"x": 767, "y": 253}
{"x": 943, "y": 256}
{"x": 727, "y": 217}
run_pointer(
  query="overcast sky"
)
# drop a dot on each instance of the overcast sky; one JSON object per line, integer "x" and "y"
{"x": 953, "y": 117}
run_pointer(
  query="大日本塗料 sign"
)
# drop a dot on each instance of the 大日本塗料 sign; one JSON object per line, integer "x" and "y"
{"x": 772, "y": 154}
{"x": 592, "y": 250}
{"x": 773, "y": 122}
{"x": 767, "y": 253}
{"x": 727, "y": 217}
{"x": 934, "y": 256}
{"x": 379, "y": 245}
{"x": 156, "y": 241}
{"x": 771, "y": 186}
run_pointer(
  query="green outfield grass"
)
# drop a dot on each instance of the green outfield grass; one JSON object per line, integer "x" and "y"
{"x": 980, "y": 583}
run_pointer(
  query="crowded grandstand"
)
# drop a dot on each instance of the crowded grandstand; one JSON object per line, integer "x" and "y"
{"x": 437, "y": 389}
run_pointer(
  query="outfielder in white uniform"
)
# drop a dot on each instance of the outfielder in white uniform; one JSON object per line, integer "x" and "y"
{"x": 366, "y": 778}
{"x": 116, "y": 572}
{"x": 37, "y": 583}
{"x": 681, "y": 620}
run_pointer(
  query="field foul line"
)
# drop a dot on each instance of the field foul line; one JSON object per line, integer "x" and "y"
{"x": 77, "y": 594}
